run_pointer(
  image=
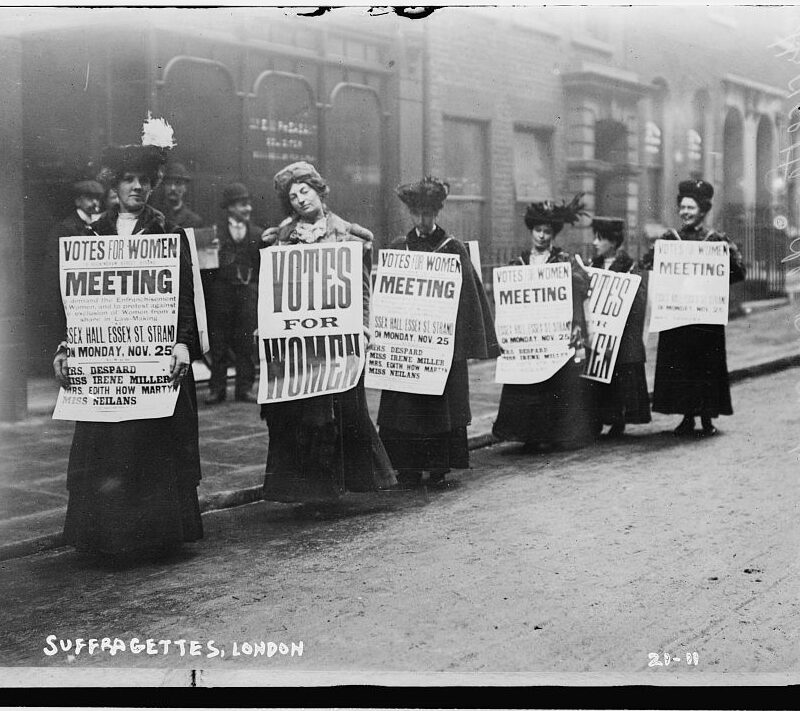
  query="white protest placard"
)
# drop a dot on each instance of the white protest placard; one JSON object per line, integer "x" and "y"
{"x": 533, "y": 320}
{"x": 611, "y": 295}
{"x": 199, "y": 296}
{"x": 310, "y": 320}
{"x": 120, "y": 296}
{"x": 689, "y": 284}
{"x": 413, "y": 321}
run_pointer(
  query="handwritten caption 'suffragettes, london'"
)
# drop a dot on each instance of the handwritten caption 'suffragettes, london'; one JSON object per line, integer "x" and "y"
{"x": 181, "y": 647}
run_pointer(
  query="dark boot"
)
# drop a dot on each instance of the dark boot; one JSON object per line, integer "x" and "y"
{"x": 685, "y": 428}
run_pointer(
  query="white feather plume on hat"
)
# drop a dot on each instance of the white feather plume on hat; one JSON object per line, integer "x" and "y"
{"x": 157, "y": 132}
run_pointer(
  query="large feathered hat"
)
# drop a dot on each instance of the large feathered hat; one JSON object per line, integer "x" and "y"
{"x": 610, "y": 228}
{"x": 699, "y": 190}
{"x": 147, "y": 157}
{"x": 548, "y": 213}
{"x": 427, "y": 195}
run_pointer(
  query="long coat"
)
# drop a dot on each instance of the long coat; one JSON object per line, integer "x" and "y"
{"x": 559, "y": 412}
{"x": 691, "y": 364}
{"x": 626, "y": 399}
{"x": 430, "y": 431}
{"x": 133, "y": 485}
{"x": 322, "y": 447}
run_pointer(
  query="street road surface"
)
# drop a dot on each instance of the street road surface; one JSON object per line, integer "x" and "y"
{"x": 600, "y": 560}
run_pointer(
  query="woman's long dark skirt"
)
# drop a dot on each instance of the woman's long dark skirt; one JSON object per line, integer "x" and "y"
{"x": 625, "y": 399}
{"x": 322, "y": 447}
{"x": 428, "y": 432}
{"x": 133, "y": 485}
{"x": 692, "y": 372}
{"x": 559, "y": 413}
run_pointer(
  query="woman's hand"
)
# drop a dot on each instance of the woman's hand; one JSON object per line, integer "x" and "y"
{"x": 179, "y": 364}
{"x": 576, "y": 338}
{"x": 269, "y": 236}
{"x": 60, "y": 366}
{"x": 367, "y": 339}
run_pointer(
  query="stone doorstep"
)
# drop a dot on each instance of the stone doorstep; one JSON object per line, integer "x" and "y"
{"x": 239, "y": 497}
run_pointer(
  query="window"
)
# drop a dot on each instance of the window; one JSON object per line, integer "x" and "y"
{"x": 465, "y": 154}
{"x": 533, "y": 165}
{"x": 533, "y": 173}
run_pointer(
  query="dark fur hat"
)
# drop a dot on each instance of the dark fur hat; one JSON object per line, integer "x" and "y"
{"x": 548, "y": 213}
{"x": 610, "y": 228}
{"x": 428, "y": 195}
{"x": 299, "y": 172}
{"x": 699, "y": 190}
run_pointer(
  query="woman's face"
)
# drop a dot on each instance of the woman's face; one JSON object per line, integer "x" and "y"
{"x": 425, "y": 221}
{"x": 542, "y": 238}
{"x": 305, "y": 201}
{"x": 603, "y": 246}
{"x": 690, "y": 213}
{"x": 133, "y": 190}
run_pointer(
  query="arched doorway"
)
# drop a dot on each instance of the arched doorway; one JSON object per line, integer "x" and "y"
{"x": 199, "y": 100}
{"x": 353, "y": 156}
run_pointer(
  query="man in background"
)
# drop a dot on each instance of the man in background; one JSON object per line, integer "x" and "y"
{"x": 233, "y": 298}
{"x": 176, "y": 182}
{"x": 87, "y": 196}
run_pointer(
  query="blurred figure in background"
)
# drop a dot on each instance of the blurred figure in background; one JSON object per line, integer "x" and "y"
{"x": 233, "y": 297}
{"x": 87, "y": 196}
{"x": 176, "y": 182}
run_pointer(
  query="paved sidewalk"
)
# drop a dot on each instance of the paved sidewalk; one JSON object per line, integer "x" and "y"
{"x": 233, "y": 440}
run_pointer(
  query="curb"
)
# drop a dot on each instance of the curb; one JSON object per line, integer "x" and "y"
{"x": 239, "y": 497}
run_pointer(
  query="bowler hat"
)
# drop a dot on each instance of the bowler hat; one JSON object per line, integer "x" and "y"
{"x": 233, "y": 192}
{"x": 177, "y": 171}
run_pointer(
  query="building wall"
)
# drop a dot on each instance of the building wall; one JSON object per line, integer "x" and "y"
{"x": 516, "y": 67}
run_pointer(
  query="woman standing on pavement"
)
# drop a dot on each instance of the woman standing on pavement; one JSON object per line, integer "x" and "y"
{"x": 559, "y": 412}
{"x": 625, "y": 399}
{"x": 691, "y": 364}
{"x": 320, "y": 447}
{"x": 133, "y": 484}
{"x": 429, "y": 432}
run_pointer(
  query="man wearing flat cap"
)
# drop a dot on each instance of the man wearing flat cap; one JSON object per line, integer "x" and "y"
{"x": 233, "y": 296}
{"x": 176, "y": 182}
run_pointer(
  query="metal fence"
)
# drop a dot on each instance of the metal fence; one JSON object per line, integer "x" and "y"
{"x": 763, "y": 247}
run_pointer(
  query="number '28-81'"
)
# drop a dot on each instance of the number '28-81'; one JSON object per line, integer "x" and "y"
{"x": 655, "y": 660}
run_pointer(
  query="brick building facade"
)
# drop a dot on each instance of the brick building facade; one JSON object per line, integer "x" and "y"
{"x": 620, "y": 103}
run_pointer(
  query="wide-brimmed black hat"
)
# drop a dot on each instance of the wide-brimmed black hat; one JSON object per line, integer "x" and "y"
{"x": 699, "y": 190}
{"x": 146, "y": 158}
{"x": 233, "y": 192}
{"x": 118, "y": 160}
{"x": 548, "y": 213}
{"x": 427, "y": 195}
{"x": 610, "y": 228}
